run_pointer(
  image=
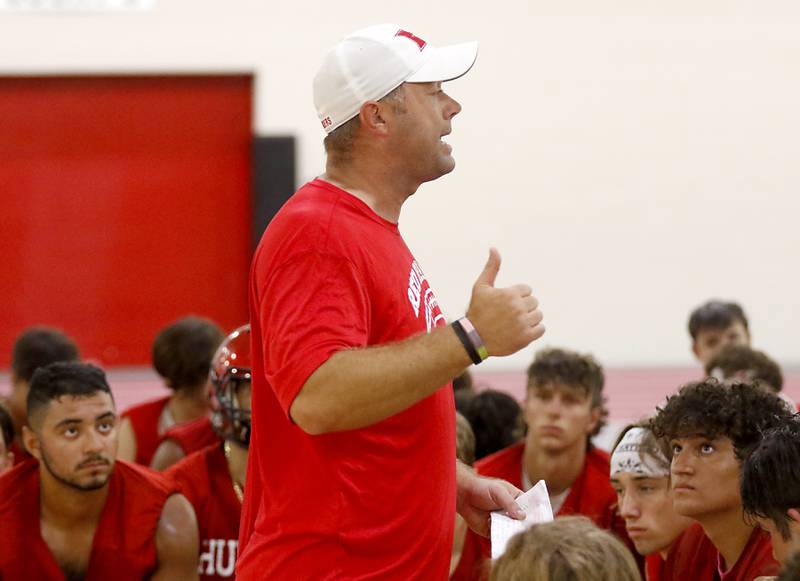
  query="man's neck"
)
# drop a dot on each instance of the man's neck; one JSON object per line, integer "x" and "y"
{"x": 188, "y": 404}
{"x": 65, "y": 507}
{"x": 378, "y": 187}
{"x": 729, "y": 533}
{"x": 559, "y": 469}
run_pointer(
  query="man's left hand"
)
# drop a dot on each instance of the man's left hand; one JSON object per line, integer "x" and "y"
{"x": 478, "y": 496}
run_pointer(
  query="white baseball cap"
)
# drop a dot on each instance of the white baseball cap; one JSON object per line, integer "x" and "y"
{"x": 370, "y": 63}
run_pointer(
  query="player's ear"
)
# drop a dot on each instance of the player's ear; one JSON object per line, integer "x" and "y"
{"x": 794, "y": 514}
{"x": 372, "y": 118}
{"x": 31, "y": 442}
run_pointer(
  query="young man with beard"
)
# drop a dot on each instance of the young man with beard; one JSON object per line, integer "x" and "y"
{"x": 709, "y": 425}
{"x": 77, "y": 513}
{"x": 640, "y": 477}
{"x": 213, "y": 478}
{"x": 563, "y": 409}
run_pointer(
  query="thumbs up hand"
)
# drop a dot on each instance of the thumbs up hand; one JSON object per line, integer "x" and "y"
{"x": 507, "y": 319}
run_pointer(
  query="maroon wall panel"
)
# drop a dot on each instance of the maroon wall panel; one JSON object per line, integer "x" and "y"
{"x": 126, "y": 203}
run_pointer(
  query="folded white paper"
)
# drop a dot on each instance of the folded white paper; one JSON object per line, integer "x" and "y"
{"x": 535, "y": 504}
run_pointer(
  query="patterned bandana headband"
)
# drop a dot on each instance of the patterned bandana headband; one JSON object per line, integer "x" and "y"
{"x": 634, "y": 455}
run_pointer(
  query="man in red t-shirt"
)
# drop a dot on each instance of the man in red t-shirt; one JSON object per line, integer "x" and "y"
{"x": 563, "y": 409}
{"x": 34, "y": 348}
{"x": 77, "y": 513}
{"x": 640, "y": 477}
{"x": 212, "y": 478}
{"x": 709, "y": 426}
{"x": 351, "y": 472}
{"x": 182, "y": 352}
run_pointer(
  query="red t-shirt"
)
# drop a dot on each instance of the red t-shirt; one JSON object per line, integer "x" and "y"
{"x": 590, "y": 495}
{"x": 193, "y": 436}
{"x": 695, "y": 557}
{"x": 124, "y": 545}
{"x": 20, "y": 453}
{"x": 144, "y": 421}
{"x": 204, "y": 479}
{"x": 373, "y": 503}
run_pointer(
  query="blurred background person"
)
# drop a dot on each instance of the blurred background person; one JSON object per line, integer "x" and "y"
{"x": 496, "y": 420}
{"x": 6, "y": 439}
{"x": 182, "y": 354}
{"x": 716, "y": 324}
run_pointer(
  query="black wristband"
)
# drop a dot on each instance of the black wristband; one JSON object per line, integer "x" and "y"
{"x": 464, "y": 338}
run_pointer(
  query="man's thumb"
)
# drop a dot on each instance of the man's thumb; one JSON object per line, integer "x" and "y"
{"x": 491, "y": 269}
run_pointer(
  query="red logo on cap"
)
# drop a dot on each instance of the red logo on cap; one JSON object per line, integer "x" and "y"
{"x": 326, "y": 122}
{"x": 420, "y": 43}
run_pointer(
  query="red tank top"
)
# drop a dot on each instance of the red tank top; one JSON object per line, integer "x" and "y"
{"x": 124, "y": 545}
{"x": 20, "y": 454}
{"x": 204, "y": 479}
{"x": 193, "y": 436}
{"x": 144, "y": 420}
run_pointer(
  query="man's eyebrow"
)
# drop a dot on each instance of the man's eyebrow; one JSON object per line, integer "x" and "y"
{"x": 66, "y": 421}
{"x": 105, "y": 415}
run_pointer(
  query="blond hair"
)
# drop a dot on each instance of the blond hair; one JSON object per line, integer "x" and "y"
{"x": 567, "y": 549}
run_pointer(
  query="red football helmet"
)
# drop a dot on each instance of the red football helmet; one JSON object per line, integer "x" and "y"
{"x": 230, "y": 376}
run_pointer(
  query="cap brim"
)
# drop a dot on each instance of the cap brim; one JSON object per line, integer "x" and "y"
{"x": 447, "y": 63}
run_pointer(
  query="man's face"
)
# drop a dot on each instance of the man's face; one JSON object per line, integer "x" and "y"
{"x": 705, "y": 476}
{"x": 423, "y": 119}
{"x": 711, "y": 341}
{"x": 646, "y": 505}
{"x": 559, "y": 416}
{"x": 76, "y": 440}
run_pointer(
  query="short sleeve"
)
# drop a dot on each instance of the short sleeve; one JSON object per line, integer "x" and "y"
{"x": 309, "y": 308}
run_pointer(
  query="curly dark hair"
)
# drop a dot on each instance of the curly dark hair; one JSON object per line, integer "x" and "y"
{"x": 770, "y": 482}
{"x": 572, "y": 369}
{"x": 716, "y": 314}
{"x": 739, "y": 411}
{"x": 734, "y": 359}
{"x": 791, "y": 569}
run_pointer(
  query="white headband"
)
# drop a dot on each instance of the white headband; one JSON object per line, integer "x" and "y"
{"x": 632, "y": 455}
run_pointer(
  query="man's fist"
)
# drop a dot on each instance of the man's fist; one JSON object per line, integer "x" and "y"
{"x": 507, "y": 319}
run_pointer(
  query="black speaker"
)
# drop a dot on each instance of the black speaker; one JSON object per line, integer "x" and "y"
{"x": 273, "y": 179}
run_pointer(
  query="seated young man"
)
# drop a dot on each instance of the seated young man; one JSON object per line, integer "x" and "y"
{"x": 182, "y": 354}
{"x": 566, "y": 548}
{"x": 76, "y": 512}
{"x": 770, "y": 486}
{"x": 564, "y": 408}
{"x": 34, "y": 348}
{"x": 715, "y": 324}
{"x": 213, "y": 478}
{"x": 746, "y": 364}
{"x": 640, "y": 477}
{"x": 709, "y": 426}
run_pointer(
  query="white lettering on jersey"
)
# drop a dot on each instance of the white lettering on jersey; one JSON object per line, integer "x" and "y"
{"x": 415, "y": 279}
{"x": 218, "y": 557}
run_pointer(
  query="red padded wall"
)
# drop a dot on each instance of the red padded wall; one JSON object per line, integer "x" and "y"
{"x": 126, "y": 203}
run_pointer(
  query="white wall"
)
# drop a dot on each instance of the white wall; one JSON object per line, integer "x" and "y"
{"x": 630, "y": 158}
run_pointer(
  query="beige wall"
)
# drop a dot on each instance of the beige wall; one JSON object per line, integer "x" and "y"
{"x": 629, "y": 158}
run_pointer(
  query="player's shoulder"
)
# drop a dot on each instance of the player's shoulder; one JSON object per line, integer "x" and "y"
{"x": 501, "y": 462}
{"x": 598, "y": 460}
{"x": 141, "y": 477}
{"x": 22, "y": 479}
{"x": 148, "y": 408}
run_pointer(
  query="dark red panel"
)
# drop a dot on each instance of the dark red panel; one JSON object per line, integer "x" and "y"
{"x": 126, "y": 202}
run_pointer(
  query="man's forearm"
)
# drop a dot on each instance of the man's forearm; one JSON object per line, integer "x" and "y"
{"x": 356, "y": 388}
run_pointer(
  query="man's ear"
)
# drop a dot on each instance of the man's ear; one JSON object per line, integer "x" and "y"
{"x": 31, "y": 442}
{"x": 695, "y": 350}
{"x": 594, "y": 418}
{"x": 794, "y": 514}
{"x": 372, "y": 118}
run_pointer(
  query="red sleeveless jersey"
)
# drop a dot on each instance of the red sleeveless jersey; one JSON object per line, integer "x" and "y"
{"x": 203, "y": 478}
{"x": 144, "y": 420}
{"x": 193, "y": 436}
{"x": 124, "y": 545}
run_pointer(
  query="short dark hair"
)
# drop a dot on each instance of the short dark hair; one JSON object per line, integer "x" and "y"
{"x": 715, "y": 314}
{"x": 576, "y": 370}
{"x": 40, "y": 346}
{"x": 60, "y": 379}
{"x": 739, "y": 411}
{"x": 733, "y": 359}
{"x": 496, "y": 419}
{"x": 770, "y": 482}
{"x": 183, "y": 350}
{"x": 6, "y": 426}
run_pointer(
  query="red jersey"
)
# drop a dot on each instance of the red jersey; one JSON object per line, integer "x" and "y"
{"x": 653, "y": 567}
{"x": 193, "y": 436}
{"x": 20, "y": 453}
{"x": 204, "y": 479}
{"x": 144, "y": 421}
{"x": 373, "y": 503}
{"x": 696, "y": 557}
{"x": 590, "y": 495}
{"x": 124, "y": 546}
